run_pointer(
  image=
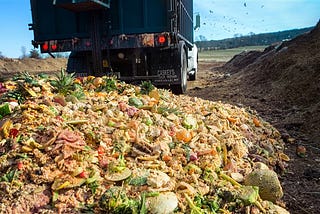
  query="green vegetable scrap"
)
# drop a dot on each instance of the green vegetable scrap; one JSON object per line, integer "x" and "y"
{"x": 143, "y": 209}
{"x": 194, "y": 168}
{"x": 115, "y": 200}
{"x": 210, "y": 176}
{"x": 207, "y": 203}
{"x": 138, "y": 181}
{"x": 10, "y": 176}
{"x": 64, "y": 82}
{"x": 193, "y": 207}
{"x": 136, "y": 102}
{"x": 249, "y": 194}
{"x": 146, "y": 87}
{"x": 5, "y": 110}
{"x": 26, "y": 77}
{"x": 93, "y": 186}
{"x": 189, "y": 122}
{"x": 78, "y": 92}
{"x": 109, "y": 85}
{"x": 16, "y": 95}
{"x": 93, "y": 178}
{"x": 187, "y": 150}
{"x": 148, "y": 121}
{"x": 166, "y": 111}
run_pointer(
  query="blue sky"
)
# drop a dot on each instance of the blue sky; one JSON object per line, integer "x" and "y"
{"x": 219, "y": 19}
{"x": 226, "y": 18}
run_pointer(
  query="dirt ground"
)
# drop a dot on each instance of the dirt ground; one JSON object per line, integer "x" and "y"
{"x": 281, "y": 83}
{"x": 9, "y": 66}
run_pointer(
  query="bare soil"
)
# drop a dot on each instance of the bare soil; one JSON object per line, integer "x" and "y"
{"x": 9, "y": 66}
{"x": 282, "y": 84}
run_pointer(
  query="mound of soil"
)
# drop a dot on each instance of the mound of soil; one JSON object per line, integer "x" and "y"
{"x": 288, "y": 76}
{"x": 282, "y": 84}
{"x": 9, "y": 66}
{"x": 242, "y": 60}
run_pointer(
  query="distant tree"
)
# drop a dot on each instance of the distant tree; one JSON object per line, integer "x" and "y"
{"x": 251, "y": 39}
{"x": 35, "y": 54}
{"x": 202, "y": 38}
{"x": 24, "y": 52}
{"x": 237, "y": 35}
{"x": 1, "y": 55}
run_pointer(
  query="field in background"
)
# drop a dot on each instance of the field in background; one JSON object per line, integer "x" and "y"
{"x": 227, "y": 54}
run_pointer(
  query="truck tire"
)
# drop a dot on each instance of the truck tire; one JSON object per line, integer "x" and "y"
{"x": 182, "y": 87}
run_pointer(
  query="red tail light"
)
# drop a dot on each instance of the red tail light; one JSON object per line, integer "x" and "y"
{"x": 161, "y": 39}
{"x": 54, "y": 47}
{"x": 45, "y": 46}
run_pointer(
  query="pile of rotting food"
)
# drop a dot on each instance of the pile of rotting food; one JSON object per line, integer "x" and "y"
{"x": 99, "y": 145}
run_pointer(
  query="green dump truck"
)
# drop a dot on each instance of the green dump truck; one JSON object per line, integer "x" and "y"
{"x": 136, "y": 40}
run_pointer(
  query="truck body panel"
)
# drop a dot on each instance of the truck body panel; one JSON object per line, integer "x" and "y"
{"x": 139, "y": 16}
{"x": 54, "y": 22}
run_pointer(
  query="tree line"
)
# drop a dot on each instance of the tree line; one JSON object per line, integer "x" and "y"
{"x": 263, "y": 39}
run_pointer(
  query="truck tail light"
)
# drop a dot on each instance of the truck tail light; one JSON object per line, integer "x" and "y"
{"x": 162, "y": 39}
{"x": 54, "y": 47}
{"x": 45, "y": 46}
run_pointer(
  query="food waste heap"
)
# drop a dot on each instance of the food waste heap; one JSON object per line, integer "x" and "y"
{"x": 95, "y": 144}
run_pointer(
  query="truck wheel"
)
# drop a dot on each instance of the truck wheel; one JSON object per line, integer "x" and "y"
{"x": 182, "y": 88}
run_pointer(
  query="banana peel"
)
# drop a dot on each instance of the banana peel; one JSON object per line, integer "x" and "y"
{"x": 29, "y": 91}
{"x": 5, "y": 127}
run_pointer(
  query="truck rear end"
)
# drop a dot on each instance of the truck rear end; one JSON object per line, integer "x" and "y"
{"x": 134, "y": 39}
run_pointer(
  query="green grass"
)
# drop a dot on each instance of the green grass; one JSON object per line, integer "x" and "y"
{"x": 227, "y": 54}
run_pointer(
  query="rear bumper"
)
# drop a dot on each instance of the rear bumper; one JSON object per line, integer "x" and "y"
{"x": 123, "y": 41}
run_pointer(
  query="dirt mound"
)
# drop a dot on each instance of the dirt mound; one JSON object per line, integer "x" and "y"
{"x": 241, "y": 61}
{"x": 9, "y": 66}
{"x": 287, "y": 75}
